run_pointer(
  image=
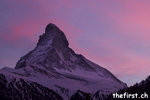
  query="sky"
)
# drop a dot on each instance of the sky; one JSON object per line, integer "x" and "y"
{"x": 112, "y": 33}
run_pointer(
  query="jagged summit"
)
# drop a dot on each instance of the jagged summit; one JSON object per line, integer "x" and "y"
{"x": 49, "y": 47}
{"x": 53, "y": 36}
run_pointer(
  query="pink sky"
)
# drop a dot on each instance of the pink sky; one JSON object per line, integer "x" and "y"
{"x": 114, "y": 33}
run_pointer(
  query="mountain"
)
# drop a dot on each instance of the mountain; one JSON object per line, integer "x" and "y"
{"x": 55, "y": 66}
{"x": 140, "y": 88}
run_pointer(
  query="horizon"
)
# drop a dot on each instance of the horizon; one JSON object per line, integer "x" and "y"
{"x": 112, "y": 34}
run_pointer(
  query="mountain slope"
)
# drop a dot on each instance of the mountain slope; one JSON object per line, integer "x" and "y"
{"x": 20, "y": 89}
{"x": 56, "y": 66}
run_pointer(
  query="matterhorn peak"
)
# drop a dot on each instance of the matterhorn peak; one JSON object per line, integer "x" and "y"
{"x": 56, "y": 66}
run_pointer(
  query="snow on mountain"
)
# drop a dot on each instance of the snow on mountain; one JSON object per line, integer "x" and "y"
{"x": 56, "y": 66}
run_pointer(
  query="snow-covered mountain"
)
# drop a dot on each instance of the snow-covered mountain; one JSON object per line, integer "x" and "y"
{"x": 54, "y": 65}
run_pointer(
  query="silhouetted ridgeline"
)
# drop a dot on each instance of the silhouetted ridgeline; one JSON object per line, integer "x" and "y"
{"x": 139, "y": 88}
